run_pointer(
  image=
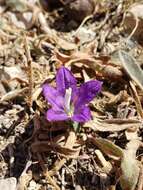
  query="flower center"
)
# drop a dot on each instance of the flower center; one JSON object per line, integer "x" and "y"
{"x": 67, "y": 99}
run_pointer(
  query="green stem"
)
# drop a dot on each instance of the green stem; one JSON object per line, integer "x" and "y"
{"x": 76, "y": 126}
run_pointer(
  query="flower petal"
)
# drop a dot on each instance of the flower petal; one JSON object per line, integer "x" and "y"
{"x": 82, "y": 115}
{"x": 56, "y": 115}
{"x": 53, "y": 97}
{"x": 87, "y": 92}
{"x": 65, "y": 80}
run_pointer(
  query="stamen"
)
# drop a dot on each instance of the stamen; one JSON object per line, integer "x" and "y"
{"x": 68, "y": 99}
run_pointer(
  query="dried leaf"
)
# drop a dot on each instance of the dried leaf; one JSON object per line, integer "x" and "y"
{"x": 112, "y": 125}
{"x": 129, "y": 166}
{"x": 44, "y": 146}
{"x": 130, "y": 169}
{"x": 70, "y": 142}
{"x": 107, "y": 147}
{"x": 131, "y": 66}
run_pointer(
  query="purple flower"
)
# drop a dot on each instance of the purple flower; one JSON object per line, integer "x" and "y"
{"x": 67, "y": 100}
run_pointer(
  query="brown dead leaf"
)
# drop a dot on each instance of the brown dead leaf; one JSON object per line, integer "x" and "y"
{"x": 97, "y": 65}
{"x": 112, "y": 125}
{"x": 130, "y": 167}
{"x": 70, "y": 142}
{"x": 45, "y": 146}
{"x": 52, "y": 35}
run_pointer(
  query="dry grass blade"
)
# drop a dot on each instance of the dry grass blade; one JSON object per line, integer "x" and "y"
{"x": 137, "y": 100}
{"x": 30, "y": 74}
{"x": 13, "y": 94}
{"x": 132, "y": 68}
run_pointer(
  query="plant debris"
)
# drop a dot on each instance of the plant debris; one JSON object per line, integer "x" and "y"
{"x": 93, "y": 140}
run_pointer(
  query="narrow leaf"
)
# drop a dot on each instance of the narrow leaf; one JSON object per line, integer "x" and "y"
{"x": 107, "y": 147}
{"x": 132, "y": 68}
{"x": 130, "y": 168}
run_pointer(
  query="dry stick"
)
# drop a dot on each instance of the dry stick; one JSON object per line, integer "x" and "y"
{"x": 82, "y": 23}
{"x": 135, "y": 27}
{"x": 36, "y": 11}
{"x": 137, "y": 100}
{"x": 30, "y": 75}
{"x": 107, "y": 166}
{"x": 102, "y": 23}
{"x": 12, "y": 94}
{"x": 69, "y": 143}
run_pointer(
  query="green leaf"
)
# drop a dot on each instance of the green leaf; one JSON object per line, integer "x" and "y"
{"x": 76, "y": 126}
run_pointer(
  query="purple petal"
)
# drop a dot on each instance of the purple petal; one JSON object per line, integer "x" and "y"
{"x": 56, "y": 115}
{"x": 87, "y": 92}
{"x": 82, "y": 115}
{"x": 64, "y": 80}
{"x": 53, "y": 97}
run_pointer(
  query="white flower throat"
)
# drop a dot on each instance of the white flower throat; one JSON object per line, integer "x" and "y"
{"x": 67, "y": 99}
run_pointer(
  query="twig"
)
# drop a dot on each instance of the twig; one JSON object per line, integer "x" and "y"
{"x": 82, "y": 23}
{"x": 135, "y": 28}
{"x": 102, "y": 23}
{"x": 30, "y": 75}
